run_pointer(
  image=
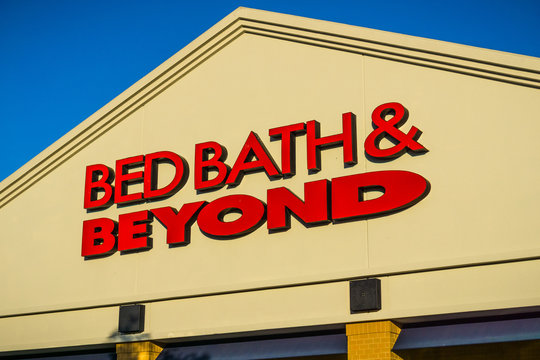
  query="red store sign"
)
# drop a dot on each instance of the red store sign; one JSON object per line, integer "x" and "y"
{"x": 336, "y": 200}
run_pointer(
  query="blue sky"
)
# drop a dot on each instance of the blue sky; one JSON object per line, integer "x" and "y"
{"x": 62, "y": 60}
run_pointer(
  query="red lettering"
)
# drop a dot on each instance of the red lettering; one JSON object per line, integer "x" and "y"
{"x": 151, "y": 162}
{"x": 402, "y": 189}
{"x": 288, "y": 145}
{"x": 178, "y": 224}
{"x": 203, "y": 165}
{"x": 98, "y": 237}
{"x": 125, "y": 178}
{"x": 315, "y": 143}
{"x": 133, "y": 231}
{"x": 98, "y": 179}
{"x": 211, "y": 220}
{"x": 281, "y": 202}
{"x": 390, "y": 128}
{"x": 252, "y": 147}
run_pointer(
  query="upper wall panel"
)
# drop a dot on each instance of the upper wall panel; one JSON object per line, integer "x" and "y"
{"x": 257, "y": 71}
{"x": 481, "y": 166}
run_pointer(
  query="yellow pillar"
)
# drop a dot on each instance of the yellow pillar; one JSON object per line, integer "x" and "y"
{"x": 144, "y": 350}
{"x": 372, "y": 340}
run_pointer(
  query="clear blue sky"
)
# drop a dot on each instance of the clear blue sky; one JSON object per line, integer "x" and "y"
{"x": 62, "y": 60}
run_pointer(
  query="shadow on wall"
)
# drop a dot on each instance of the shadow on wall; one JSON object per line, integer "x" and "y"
{"x": 122, "y": 338}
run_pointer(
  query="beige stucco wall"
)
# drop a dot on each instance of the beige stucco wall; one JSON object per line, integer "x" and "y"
{"x": 482, "y": 166}
{"x": 438, "y": 293}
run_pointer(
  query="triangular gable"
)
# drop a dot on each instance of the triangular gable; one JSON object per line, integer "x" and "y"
{"x": 490, "y": 64}
{"x": 256, "y": 71}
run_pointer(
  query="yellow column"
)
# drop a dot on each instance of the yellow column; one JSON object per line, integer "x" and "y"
{"x": 144, "y": 350}
{"x": 372, "y": 340}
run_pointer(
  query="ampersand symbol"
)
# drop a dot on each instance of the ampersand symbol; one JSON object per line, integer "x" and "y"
{"x": 391, "y": 128}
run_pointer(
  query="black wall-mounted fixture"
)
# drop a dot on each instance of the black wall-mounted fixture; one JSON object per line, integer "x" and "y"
{"x": 131, "y": 319}
{"x": 365, "y": 295}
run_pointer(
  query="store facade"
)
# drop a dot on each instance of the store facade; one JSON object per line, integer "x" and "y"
{"x": 286, "y": 188}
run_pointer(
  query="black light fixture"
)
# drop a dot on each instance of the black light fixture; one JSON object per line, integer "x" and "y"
{"x": 131, "y": 319}
{"x": 365, "y": 295}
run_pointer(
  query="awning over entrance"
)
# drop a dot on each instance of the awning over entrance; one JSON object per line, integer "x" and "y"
{"x": 261, "y": 349}
{"x": 469, "y": 334}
